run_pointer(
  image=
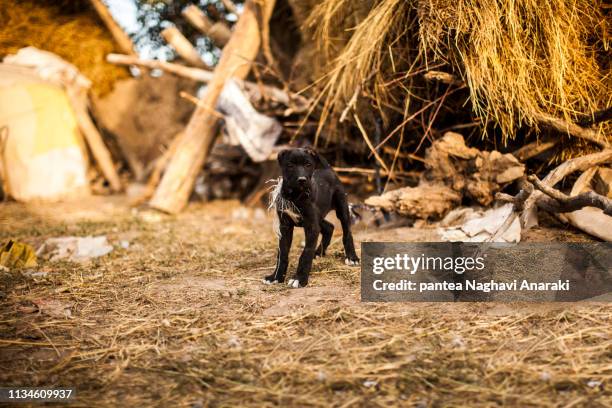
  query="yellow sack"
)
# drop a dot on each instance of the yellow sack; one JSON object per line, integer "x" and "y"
{"x": 43, "y": 154}
{"x": 17, "y": 255}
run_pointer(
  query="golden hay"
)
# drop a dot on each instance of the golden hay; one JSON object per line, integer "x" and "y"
{"x": 76, "y": 35}
{"x": 520, "y": 58}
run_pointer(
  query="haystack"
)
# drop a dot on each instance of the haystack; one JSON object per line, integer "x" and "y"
{"x": 517, "y": 61}
{"x": 70, "y": 29}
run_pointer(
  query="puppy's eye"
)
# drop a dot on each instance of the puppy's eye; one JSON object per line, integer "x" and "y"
{"x": 308, "y": 165}
{"x": 290, "y": 165}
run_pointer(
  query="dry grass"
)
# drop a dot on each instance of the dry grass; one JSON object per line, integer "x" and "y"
{"x": 179, "y": 318}
{"x": 69, "y": 29}
{"x": 519, "y": 58}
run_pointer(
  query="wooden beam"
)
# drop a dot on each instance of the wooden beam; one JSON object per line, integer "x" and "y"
{"x": 183, "y": 47}
{"x": 297, "y": 102}
{"x": 187, "y": 161}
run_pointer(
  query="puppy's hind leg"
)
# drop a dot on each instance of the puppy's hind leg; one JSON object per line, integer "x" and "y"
{"x": 327, "y": 230}
{"x": 343, "y": 214}
{"x": 282, "y": 256}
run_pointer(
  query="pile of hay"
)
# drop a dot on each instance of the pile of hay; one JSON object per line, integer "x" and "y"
{"x": 519, "y": 59}
{"x": 70, "y": 29}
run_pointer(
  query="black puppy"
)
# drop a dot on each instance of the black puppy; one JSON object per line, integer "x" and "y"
{"x": 308, "y": 191}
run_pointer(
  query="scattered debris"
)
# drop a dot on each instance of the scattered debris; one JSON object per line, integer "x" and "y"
{"x": 458, "y": 342}
{"x": 15, "y": 254}
{"x": 255, "y": 132}
{"x": 54, "y": 307}
{"x": 370, "y": 383}
{"x": 545, "y": 376}
{"x": 453, "y": 172}
{"x": 594, "y": 384}
{"x": 479, "y": 226}
{"x": 78, "y": 249}
{"x": 478, "y": 175}
{"x": 34, "y": 274}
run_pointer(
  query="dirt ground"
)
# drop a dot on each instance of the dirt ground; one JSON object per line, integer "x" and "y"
{"x": 176, "y": 315}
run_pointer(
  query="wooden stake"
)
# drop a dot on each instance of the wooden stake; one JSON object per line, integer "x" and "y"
{"x": 178, "y": 180}
{"x": 183, "y": 47}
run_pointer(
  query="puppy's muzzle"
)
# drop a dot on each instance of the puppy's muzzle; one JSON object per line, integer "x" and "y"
{"x": 302, "y": 181}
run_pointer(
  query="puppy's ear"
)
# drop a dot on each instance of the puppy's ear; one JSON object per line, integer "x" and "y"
{"x": 320, "y": 161}
{"x": 282, "y": 156}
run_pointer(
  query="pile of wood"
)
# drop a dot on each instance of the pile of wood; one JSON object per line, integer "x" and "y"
{"x": 227, "y": 99}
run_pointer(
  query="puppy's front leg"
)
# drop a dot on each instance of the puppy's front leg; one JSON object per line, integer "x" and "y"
{"x": 311, "y": 232}
{"x": 282, "y": 256}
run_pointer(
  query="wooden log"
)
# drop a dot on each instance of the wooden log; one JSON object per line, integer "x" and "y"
{"x": 102, "y": 157}
{"x": 218, "y": 32}
{"x": 121, "y": 38}
{"x": 183, "y": 47}
{"x": 183, "y": 168}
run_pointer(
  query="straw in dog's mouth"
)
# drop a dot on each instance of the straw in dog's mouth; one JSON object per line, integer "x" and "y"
{"x": 280, "y": 204}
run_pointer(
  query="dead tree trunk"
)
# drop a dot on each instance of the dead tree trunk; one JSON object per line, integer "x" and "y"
{"x": 219, "y": 33}
{"x": 178, "y": 180}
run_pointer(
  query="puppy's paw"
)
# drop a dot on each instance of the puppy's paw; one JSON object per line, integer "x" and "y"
{"x": 271, "y": 280}
{"x": 352, "y": 261}
{"x": 296, "y": 283}
{"x": 319, "y": 253}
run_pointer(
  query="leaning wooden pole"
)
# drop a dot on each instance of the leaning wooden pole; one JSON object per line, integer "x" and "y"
{"x": 123, "y": 40}
{"x": 178, "y": 180}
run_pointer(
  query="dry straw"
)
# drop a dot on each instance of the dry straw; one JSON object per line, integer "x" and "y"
{"x": 520, "y": 58}
{"x": 69, "y": 29}
{"x": 180, "y": 319}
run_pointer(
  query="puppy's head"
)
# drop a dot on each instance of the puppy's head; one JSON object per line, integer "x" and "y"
{"x": 298, "y": 166}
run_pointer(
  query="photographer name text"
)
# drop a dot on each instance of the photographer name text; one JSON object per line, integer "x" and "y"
{"x": 471, "y": 285}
